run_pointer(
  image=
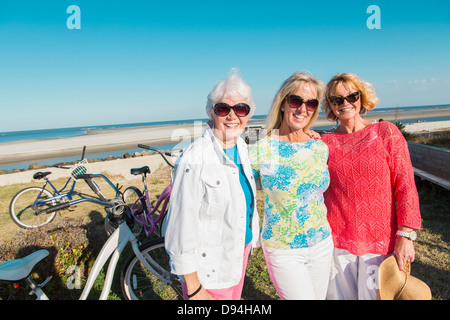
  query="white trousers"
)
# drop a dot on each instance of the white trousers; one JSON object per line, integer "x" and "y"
{"x": 354, "y": 277}
{"x": 300, "y": 274}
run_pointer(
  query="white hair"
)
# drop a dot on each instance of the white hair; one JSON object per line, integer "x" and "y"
{"x": 231, "y": 88}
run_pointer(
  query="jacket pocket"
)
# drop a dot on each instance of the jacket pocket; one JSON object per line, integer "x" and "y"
{"x": 215, "y": 191}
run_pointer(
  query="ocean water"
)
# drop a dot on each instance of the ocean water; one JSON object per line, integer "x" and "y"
{"x": 78, "y": 131}
{"x": 12, "y": 136}
{"x": 104, "y": 155}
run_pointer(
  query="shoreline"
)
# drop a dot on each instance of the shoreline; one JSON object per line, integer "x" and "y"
{"x": 105, "y": 141}
{"x": 122, "y": 165}
{"x": 118, "y": 139}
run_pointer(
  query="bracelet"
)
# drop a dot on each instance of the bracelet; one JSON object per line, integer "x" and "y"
{"x": 196, "y": 291}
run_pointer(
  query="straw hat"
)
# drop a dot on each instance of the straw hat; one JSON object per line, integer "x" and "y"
{"x": 394, "y": 284}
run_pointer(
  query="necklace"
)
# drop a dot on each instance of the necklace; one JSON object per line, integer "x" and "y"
{"x": 231, "y": 153}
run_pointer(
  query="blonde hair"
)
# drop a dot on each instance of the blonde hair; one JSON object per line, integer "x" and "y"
{"x": 369, "y": 98}
{"x": 291, "y": 86}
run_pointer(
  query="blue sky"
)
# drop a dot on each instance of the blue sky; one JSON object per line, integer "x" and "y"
{"x": 143, "y": 61}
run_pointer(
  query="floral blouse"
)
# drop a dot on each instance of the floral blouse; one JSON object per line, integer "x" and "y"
{"x": 294, "y": 177}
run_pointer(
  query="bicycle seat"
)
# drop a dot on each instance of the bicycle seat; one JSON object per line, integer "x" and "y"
{"x": 40, "y": 175}
{"x": 142, "y": 170}
{"x": 15, "y": 270}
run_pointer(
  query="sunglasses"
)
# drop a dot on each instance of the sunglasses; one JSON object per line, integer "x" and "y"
{"x": 222, "y": 109}
{"x": 297, "y": 101}
{"x": 351, "y": 98}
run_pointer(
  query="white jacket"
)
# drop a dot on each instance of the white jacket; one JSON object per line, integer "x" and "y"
{"x": 207, "y": 214}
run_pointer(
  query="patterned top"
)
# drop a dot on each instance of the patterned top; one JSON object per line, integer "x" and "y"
{"x": 372, "y": 189}
{"x": 294, "y": 177}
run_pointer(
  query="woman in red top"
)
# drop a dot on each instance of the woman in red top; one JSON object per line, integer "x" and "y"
{"x": 372, "y": 201}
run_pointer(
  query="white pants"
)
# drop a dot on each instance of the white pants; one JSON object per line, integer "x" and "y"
{"x": 300, "y": 274}
{"x": 354, "y": 277}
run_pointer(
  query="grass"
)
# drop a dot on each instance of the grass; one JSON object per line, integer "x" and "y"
{"x": 439, "y": 141}
{"x": 432, "y": 263}
{"x": 76, "y": 237}
{"x": 432, "y": 247}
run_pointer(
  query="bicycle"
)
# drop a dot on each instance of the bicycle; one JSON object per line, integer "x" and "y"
{"x": 152, "y": 258}
{"x": 147, "y": 217}
{"x": 34, "y": 207}
{"x": 137, "y": 283}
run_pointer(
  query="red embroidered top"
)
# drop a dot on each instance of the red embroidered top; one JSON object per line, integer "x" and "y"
{"x": 372, "y": 189}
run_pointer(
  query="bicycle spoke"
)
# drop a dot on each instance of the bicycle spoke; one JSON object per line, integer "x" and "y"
{"x": 140, "y": 283}
{"x": 27, "y": 210}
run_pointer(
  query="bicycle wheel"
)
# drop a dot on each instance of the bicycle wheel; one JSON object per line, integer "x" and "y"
{"x": 138, "y": 283}
{"x": 131, "y": 195}
{"x": 25, "y": 213}
{"x": 162, "y": 225}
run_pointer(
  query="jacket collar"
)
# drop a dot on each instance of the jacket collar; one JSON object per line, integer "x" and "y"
{"x": 209, "y": 135}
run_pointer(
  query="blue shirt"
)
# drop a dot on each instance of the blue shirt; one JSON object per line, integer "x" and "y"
{"x": 233, "y": 155}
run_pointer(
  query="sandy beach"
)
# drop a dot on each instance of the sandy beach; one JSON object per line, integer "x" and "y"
{"x": 121, "y": 139}
{"x": 133, "y": 136}
{"x": 104, "y": 141}
{"x": 428, "y": 126}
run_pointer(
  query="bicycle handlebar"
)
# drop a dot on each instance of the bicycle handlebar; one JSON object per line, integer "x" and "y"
{"x": 168, "y": 153}
{"x": 63, "y": 167}
{"x": 82, "y": 154}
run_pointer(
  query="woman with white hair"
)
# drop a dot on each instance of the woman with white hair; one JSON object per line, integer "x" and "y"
{"x": 212, "y": 219}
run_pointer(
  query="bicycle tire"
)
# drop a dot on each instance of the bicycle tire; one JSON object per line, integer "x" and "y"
{"x": 161, "y": 226}
{"x": 130, "y": 195}
{"x": 22, "y": 212}
{"x": 139, "y": 283}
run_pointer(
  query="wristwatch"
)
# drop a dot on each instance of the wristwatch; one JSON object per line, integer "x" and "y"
{"x": 410, "y": 235}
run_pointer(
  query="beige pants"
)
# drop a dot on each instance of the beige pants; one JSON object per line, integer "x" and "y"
{"x": 354, "y": 277}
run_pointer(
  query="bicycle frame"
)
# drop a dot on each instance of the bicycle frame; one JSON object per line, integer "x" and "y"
{"x": 39, "y": 202}
{"x": 116, "y": 190}
{"x": 37, "y": 289}
{"x": 164, "y": 198}
{"x": 113, "y": 247}
{"x": 148, "y": 222}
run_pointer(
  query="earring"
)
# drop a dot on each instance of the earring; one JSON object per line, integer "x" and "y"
{"x": 282, "y": 109}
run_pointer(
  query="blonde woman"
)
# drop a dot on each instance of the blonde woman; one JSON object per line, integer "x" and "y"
{"x": 373, "y": 206}
{"x": 296, "y": 237}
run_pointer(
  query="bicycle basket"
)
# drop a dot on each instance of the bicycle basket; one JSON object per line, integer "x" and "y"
{"x": 82, "y": 167}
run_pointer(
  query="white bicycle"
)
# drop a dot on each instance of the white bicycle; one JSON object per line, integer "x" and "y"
{"x": 145, "y": 274}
